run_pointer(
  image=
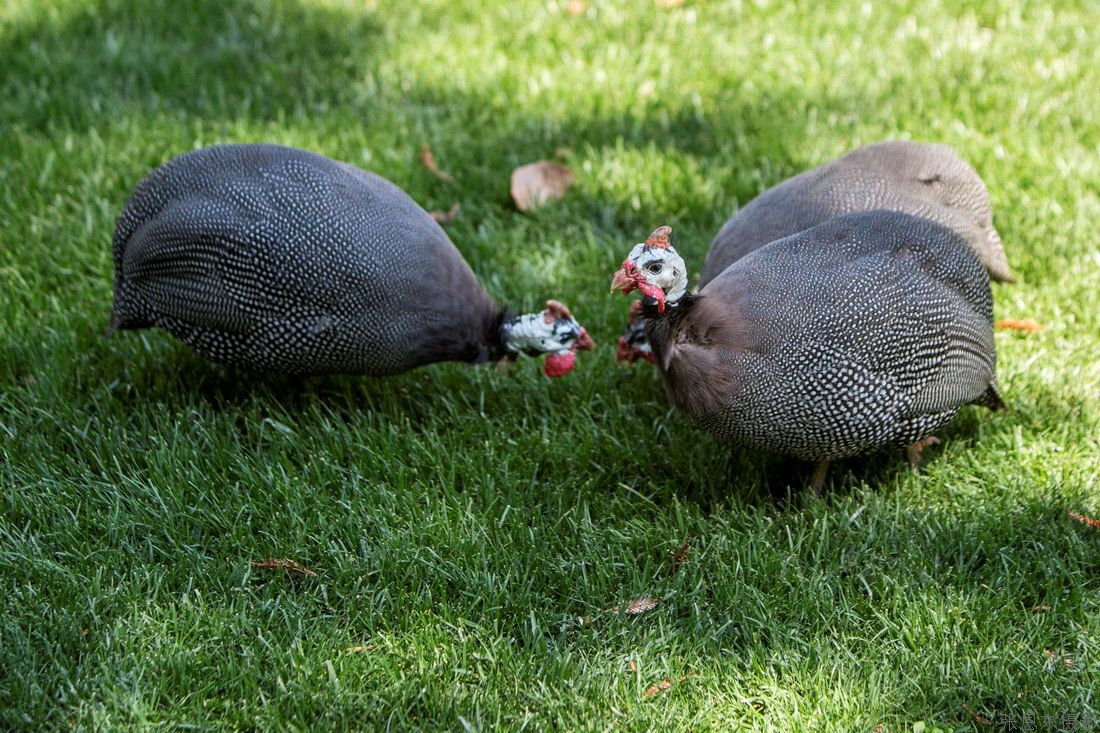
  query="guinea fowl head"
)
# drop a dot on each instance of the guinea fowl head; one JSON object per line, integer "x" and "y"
{"x": 654, "y": 268}
{"x": 554, "y": 332}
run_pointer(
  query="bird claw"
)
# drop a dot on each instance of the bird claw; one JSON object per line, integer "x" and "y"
{"x": 913, "y": 452}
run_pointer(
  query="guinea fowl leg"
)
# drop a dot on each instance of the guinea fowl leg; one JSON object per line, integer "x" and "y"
{"x": 913, "y": 452}
{"x": 817, "y": 481}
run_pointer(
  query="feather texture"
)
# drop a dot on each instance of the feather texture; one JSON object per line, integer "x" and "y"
{"x": 873, "y": 328}
{"x": 925, "y": 180}
{"x": 282, "y": 260}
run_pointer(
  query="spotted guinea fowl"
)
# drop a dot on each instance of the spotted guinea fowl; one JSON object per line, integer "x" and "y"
{"x": 926, "y": 180}
{"x": 281, "y": 260}
{"x": 870, "y": 329}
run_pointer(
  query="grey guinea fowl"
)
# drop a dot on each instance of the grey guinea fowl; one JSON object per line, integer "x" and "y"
{"x": 281, "y": 260}
{"x": 870, "y": 329}
{"x": 922, "y": 179}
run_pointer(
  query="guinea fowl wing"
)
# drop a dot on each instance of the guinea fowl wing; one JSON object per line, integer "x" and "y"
{"x": 176, "y": 264}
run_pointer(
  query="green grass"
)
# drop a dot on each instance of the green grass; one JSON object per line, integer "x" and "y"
{"x": 473, "y": 525}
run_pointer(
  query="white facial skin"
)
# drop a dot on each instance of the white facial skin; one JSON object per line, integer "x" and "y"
{"x": 662, "y": 267}
{"x": 531, "y": 334}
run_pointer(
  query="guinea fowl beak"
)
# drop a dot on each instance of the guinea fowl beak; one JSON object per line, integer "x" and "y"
{"x": 629, "y": 278}
{"x": 623, "y": 279}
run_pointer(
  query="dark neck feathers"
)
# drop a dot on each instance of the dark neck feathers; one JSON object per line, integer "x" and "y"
{"x": 692, "y": 344}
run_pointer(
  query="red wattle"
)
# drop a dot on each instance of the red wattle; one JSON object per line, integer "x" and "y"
{"x": 558, "y": 365}
{"x": 654, "y": 292}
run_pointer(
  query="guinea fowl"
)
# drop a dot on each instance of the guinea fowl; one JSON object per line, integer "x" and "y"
{"x": 277, "y": 259}
{"x": 868, "y": 330}
{"x": 926, "y": 180}
{"x": 923, "y": 179}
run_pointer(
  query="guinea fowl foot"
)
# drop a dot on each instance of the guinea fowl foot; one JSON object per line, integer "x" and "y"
{"x": 913, "y": 452}
{"x": 817, "y": 481}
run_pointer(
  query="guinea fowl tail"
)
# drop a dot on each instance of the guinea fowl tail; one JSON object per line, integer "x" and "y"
{"x": 995, "y": 259}
{"x": 126, "y": 312}
{"x": 991, "y": 398}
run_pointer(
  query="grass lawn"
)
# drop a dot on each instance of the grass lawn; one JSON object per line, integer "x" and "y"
{"x": 471, "y": 527}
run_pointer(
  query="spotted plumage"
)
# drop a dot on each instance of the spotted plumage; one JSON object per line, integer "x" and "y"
{"x": 868, "y": 330}
{"x": 922, "y": 179}
{"x": 282, "y": 260}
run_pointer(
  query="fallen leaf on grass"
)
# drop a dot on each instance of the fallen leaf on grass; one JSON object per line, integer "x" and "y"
{"x": 880, "y": 728}
{"x": 1041, "y": 608}
{"x": 635, "y": 607}
{"x": 446, "y": 217}
{"x": 576, "y": 7}
{"x": 980, "y": 719}
{"x": 641, "y": 605}
{"x": 680, "y": 556}
{"x": 633, "y": 667}
{"x": 1019, "y": 325}
{"x": 539, "y": 183}
{"x": 664, "y": 685}
{"x": 659, "y": 687}
{"x": 1094, "y": 523}
{"x": 428, "y": 160}
{"x": 274, "y": 563}
{"x": 361, "y": 648}
{"x": 1053, "y": 658}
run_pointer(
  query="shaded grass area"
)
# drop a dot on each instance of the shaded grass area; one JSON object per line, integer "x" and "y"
{"x": 471, "y": 527}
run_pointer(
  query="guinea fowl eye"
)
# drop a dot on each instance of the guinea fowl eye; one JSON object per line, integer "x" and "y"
{"x": 655, "y": 268}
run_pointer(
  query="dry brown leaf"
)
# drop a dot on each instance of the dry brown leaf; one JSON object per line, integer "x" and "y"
{"x": 659, "y": 687}
{"x": 1094, "y": 523}
{"x": 1041, "y": 608}
{"x": 633, "y": 667}
{"x": 669, "y": 3}
{"x": 665, "y": 684}
{"x": 361, "y": 648}
{"x": 428, "y": 160}
{"x": 641, "y": 605}
{"x": 880, "y": 728}
{"x": 1013, "y": 324}
{"x": 680, "y": 556}
{"x": 576, "y": 7}
{"x": 539, "y": 183}
{"x": 980, "y": 719}
{"x": 446, "y": 217}
{"x": 274, "y": 563}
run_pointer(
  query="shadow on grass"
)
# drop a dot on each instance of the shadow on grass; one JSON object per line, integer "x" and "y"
{"x": 205, "y": 58}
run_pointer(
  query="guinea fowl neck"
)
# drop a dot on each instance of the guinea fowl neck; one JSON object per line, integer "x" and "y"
{"x": 495, "y": 335}
{"x": 674, "y": 310}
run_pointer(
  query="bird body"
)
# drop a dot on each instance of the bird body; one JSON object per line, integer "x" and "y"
{"x": 277, "y": 259}
{"x": 870, "y": 329}
{"x": 926, "y": 180}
